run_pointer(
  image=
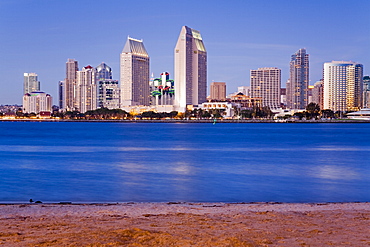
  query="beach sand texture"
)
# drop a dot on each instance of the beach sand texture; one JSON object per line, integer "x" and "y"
{"x": 185, "y": 224}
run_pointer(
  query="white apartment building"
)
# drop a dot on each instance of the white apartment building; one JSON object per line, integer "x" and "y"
{"x": 266, "y": 84}
{"x": 343, "y": 83}
{"x": 36, "y": 102}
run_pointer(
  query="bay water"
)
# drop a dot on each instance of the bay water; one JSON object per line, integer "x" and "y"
{"x": 184, "y": 162}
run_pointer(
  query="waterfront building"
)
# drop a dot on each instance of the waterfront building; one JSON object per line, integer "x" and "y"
{"x": 297, "y": 87}
{"x": 108, "y": 94}
{"x": 102, "y": 72}
{"x": 162, "y": 90}
{"x": 61, "y": 98}
{"x": 245, "y": 101}
{"x": 86, "y": 91}
{"x": 30, "y": 83}
{"x": 36, "y": 102}
{"x": 190, "y": 69}
{"x": 226, "y": 109}
{"x": 266, "y": 84}
{"x": 134, "y": 74}
{"x": 69, "y": 88}
{"x": 218, "y": 91}
{"x": 343, "y": 86}
{"x": 366, "y": 94}
{"x": 318, "y": 93}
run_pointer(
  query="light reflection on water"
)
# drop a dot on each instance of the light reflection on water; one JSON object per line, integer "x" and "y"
{"x": 103, "y": 162}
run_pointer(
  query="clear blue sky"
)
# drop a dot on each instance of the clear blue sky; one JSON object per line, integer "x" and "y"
{"x": 40, "y": 35}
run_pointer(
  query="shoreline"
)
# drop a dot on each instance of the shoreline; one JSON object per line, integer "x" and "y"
{"x": 186, "y": 224}
{"x": 188, "y": 121}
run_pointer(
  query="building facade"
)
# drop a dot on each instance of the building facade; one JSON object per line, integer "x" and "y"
{"x": 134, "y": 74}
{"x": 318, "y": 94}
{"x": 86, "y": 91}
{"x": 297, "y": 87}
{"x": 103, "y": 72}
{"x": 190, "y": 69}
{"x": 343, "y": 83}
{"x": 266, "y": 84}
{"x": 69, "y": 86}
{"x": 30, "y": 83}
{"x": 108, "y": 94}
{"x": 218, "y": 91}
{"x": 366, "y": 94}
{"x": 36, "y": 102}
{"x": 162, "y": 90}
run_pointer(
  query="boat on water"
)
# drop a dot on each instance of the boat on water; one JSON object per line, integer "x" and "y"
{"x": 363, "y": 114}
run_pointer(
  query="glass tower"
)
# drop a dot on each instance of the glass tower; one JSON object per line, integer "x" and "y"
{"x": 297, "y": 87}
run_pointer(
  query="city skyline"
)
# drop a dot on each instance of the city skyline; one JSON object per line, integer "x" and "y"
{"x": 237, "y": 38}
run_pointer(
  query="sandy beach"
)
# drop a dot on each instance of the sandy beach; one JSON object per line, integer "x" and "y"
{"x": 185, "y": 224}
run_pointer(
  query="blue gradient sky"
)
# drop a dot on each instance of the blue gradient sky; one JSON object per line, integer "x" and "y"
{"x": 40, "y": 35}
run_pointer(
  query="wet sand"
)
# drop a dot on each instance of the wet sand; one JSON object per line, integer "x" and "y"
{"x": 185, "y": 224}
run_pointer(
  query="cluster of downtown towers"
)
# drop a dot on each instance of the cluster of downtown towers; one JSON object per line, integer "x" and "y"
{"x": 341, "y": 88}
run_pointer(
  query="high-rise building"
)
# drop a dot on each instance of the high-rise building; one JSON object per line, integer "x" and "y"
{"x": 297, "y": 87}
{"x": 61, "y": 98}
{"x": 318, "y": 93}
{"x": 70, "y": 101}
{"x": 343, "y": 86}
{"x": 190, "y": 69}
{"x": 134, "y": 74}
{"x": 218, "y": 91}
{"x": 102, "y": 72}
{"x": 86, "y": 89}
{"x": 366, "y": 89}
{"x": 266, "y": 84}
{"x": 36, "y": 102}
{"x": 108, "y": 94}
{"x": 31, "y": 84}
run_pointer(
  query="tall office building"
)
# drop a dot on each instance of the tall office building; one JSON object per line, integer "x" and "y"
{"x": 190, "y": 69}
{"x": 343, "y": 86}
{"x": 30, "y": 83}
{"x": 297, "y": 87}
{"x": 70, "y": 102}
{"x": 366, "y": 94}
{"x": 134, "y": 74}
{"x": 266, "y": 84}
{"x": 61, "y": 98}
{"x": 86, "y": 89}
{"x": 103, "y": 72}
{"x": 218, "y": 91}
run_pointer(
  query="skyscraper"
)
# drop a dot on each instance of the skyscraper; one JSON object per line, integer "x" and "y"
{"x": 297, "y": 88}
{"x": 318, "y": 94}
{"x": 343, "y": 86}
{"x": 265, "y": 84}
{"x": 103, "y": 72}
{"x": 70, "y": 102}
{"x": 190, "y": 69}
{"x": 86, "y": 89}
{"x": 218, "y": 91}
{"x": 134, "y": 74}
{"x": 30, "y": 83}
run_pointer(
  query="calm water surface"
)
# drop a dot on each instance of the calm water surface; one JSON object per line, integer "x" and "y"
{"x": 150, "y": 162}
